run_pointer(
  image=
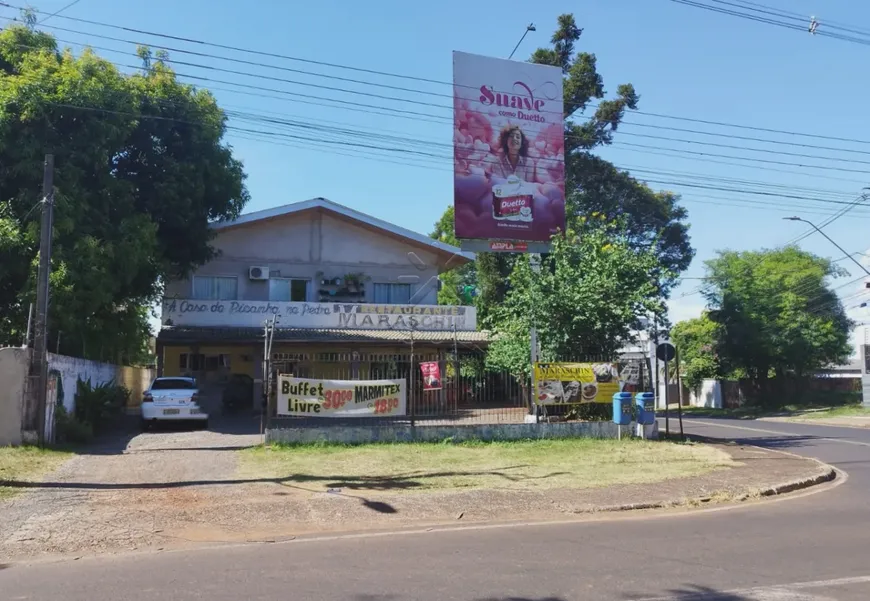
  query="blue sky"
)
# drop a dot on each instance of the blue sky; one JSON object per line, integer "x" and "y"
{"x": 683, "y": 61}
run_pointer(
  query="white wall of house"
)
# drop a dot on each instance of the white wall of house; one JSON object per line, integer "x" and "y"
{"x": 73, "y": 369}
{"x": 708, "y": 396}
{"x": 303, "y": 244}
{"x": 14, "y": 363}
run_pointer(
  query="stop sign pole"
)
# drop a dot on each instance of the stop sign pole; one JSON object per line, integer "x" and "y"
{"x": 666, "y": 352}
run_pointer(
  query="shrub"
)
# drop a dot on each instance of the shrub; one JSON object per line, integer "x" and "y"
{"x": 69, "y": 430}
{"x": 100, "y": 406}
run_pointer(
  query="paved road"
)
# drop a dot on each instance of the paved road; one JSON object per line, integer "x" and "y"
{"x": 812, "y": 548}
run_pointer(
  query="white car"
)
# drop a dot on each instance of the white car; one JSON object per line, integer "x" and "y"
{"x": 172, "y": 399}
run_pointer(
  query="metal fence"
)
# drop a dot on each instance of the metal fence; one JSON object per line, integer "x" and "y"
{"x": 470, "y": 393}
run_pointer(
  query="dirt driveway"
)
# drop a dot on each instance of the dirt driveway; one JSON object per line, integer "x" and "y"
{"x": 117, "y": 496}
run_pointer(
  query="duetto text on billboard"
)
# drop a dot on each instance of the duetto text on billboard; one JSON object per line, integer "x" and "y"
{"x": 508, "y": 144}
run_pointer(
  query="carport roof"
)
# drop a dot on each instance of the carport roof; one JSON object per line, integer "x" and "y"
{"x": 223, "y": 334}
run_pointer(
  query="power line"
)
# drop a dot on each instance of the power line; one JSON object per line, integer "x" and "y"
{"x": 745, "y": 166}
{"x": 713, "y": 177}
{"x": 756, "y": 160}
{"x": 380, "y": 73}
{"x": 796, "y": 16}
{"x": 447, "y": 119}
{"x": 344, "y": 141}
{"x": 778, "y": 23}
{"x": 735, "y": 137}
{"x": 54, "y": 14}
{"x": 238, "y": 49}
{"x": 392, "y": 149}
{"x": 746, "y": 148}
{"x": 428, "y": 154}
{"x": 818, "y": 167}
{"x": 739, "y": 14}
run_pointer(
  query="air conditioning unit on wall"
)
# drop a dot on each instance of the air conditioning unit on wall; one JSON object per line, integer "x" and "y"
{"x": 258, "y": 273}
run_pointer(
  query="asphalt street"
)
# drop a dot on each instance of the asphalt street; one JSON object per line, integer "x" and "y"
{"x": 811, "y": 547}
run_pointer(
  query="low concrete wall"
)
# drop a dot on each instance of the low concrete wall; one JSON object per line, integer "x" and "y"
{"x": 73, "y": 369}
{"x": 13, "y": 375}
{"x": 14, "y": 364}
{"x": 370, "y": 434}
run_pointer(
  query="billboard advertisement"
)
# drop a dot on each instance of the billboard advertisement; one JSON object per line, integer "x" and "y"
{"x": 576, "y": 383}
{"x": 508, "y": 149}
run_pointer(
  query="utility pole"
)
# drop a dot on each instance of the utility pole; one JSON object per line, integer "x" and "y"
{"x": 39, "y": 359}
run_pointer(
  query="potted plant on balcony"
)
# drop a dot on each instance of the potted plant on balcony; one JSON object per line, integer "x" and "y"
{"x": 354, "y": 282}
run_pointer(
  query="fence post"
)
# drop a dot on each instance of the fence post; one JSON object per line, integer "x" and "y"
{"x": 411, "y": 404}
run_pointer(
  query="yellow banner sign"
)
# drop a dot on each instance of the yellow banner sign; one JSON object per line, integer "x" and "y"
{"x": 576, "y": 383}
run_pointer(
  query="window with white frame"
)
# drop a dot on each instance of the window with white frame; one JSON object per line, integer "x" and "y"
{"x": 392, "y": 294}
{"x": 288, "y": 290}
{"x": 211, "y": 287}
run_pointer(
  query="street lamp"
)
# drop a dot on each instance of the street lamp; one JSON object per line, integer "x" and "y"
{"x": 813, "y": 225}
{"x": 529, "y": 27}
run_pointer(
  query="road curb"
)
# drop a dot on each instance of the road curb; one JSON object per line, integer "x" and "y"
{"x": 825, "y": 473}
{"x": 814, "y": 422}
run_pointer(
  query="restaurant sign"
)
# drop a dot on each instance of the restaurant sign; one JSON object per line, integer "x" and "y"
{"x": 240, "y": 314}
{"x": 303, "y": 397}
{"x": 576, "y": 383}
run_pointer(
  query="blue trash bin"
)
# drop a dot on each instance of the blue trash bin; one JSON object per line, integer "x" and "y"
{"x": 646, "y": 408}
{"x": 622, "y": 408}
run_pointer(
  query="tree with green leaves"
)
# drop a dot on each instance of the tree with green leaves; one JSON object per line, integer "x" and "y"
{"x": 140, "y": 173}
{"x": 456, "y": 284}
{"x": 584, "y": 301}
{"x": 773, "y": 313}
{"x": 696, "y": 341}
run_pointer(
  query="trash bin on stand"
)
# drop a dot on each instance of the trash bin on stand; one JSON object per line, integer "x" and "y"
{"x": 621, "y": 411}
{"x": 645, "y": 404}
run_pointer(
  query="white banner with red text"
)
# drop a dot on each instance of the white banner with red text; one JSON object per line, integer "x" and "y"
{"x": 307, "y": 397}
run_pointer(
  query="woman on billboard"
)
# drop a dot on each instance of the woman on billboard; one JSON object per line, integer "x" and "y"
{"x": 514, "y": 156}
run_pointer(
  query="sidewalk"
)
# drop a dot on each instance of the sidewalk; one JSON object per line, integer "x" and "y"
{"x": 191, "y": 510}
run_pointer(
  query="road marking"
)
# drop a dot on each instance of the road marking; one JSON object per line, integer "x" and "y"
{"x": 787, "y": 434}
{"x": 779, "y": 592}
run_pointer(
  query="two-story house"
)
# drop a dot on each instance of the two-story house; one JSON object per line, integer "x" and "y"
{"x": 353, "y": 297}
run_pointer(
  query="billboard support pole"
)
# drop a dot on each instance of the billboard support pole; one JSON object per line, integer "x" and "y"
{"x": 535, "y": 262}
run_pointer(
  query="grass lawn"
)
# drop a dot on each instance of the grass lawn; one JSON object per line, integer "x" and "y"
{"x": 793, "y": 411}
{"x": 534, "y": 464}
{"x": 846, "y": 411}
{"x": 26, "y": 463}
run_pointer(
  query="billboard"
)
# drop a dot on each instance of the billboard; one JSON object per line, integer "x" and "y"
{"x": 576, "y": 383}
{"x": 508, "y": 149}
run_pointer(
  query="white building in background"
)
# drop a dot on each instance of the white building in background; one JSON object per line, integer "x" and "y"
{"x": 856, "y": 300}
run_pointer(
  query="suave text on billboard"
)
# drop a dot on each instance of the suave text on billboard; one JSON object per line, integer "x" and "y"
{"x": 508, "y": 149}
